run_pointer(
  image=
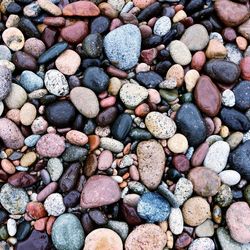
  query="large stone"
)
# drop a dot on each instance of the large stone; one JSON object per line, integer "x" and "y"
{"x": 151, "y": 159}
{"x": 122, "y": 46}
{"x": 242, "y": 95}
{"x": 5, "y": 82}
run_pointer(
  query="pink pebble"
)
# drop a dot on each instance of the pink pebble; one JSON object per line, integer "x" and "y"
{"x": 108, "y": 102}
{"x": 105, "y": 160}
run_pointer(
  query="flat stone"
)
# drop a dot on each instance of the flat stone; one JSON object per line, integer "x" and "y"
{"x": 81, "y": 9}
{"x": 30, "y": 81}
{"x": 5, "y": 53}
{"x": 67, "y": 233}
{"x": 99, "y": 190}
{"x": 237, "y": 218}
{"x": 122, "y": 46}
{"x": 146, "y": 237}
{"x": 160, "y": 125}
{"x": 85, "y": 101}
{"x": 14, "y": 200}
{"x": 216, "y": 158}
{"x": 111, "y": 144}
{"x": 195, "y": 37}
{"x": 5, "y": 82}
{"x": 151, "y": 159}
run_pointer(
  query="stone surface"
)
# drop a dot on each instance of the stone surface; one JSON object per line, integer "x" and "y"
{"x": 5, "y": 82}
{"x": 67, "y": 233}
{"x": 146, "y": 237}
{"x": 176, "y": 222}
{"x": 244, "y": 29}
{"x": 122, "y": 46}
{"x": 99, "y": 191}
{"x": 54, "y": 204}
{"x": 30, "y": 81}
{"x": 237, "y": 218}
{"x": 85, "y": 101}
{"x": 151, "y": 159}
{"x": 162, "y": 26}
{"x": 230, "y": 177}
{"x": 216, "y": 50}
{"x": 81, "y": 9}
{"x": 206, "y": 229}
{"x": 202, "y": 243}
{"x": 111, "y": 144}
{"x": 183, "y": 190}
{"x": 13, "y": 38}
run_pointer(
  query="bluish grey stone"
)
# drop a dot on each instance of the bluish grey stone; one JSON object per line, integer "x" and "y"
{"x": 31, "y": 140}
{"x": 5, "y": 53}
{"x": 119, "y": 227}
{"x": 122, "y": 46}
{"x": 30, "y": 81}
{"x": 67, "y": 233}
{"x": 5, "y": 82}
{"x": 153, "y": 207}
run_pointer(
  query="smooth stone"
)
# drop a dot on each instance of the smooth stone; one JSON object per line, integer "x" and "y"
{"x": 195, "y": 37}
{"x": 22, "y": 179}
{"x": 237, "y": 218}
{"x": 67, "y": 233}
{"x": 242, "y": 95}
{"x": 206, "y": 229}
{"x": 207, "y": 96}
{"x": 54, "y": 204}
{"x": 111, "y": 144}
{"x": 74, "y": 153}
{"x": 13, "y": 38}
{"x": 99, "y": 25}
{"x": 140, "y": 134}
{"x": 183, "y": 190}
{"x": 5, "y": 53}
{"x": 132, "y": 95}
{"x": 50, "y": 145}
{"x": 152, "y": 207}
{"x": 85, "y": 101}
{"x": 151, "y": 159}
{"x": 34, "y": 47}
{"x": 103, "y": 238}
{"x": 28, "y": 27}
{"x": 234, "y": 119}
{"x": 162, "y": 26}
{"x": 180, "y": 53}
{"x": 122, "y": 46}
{"x": 60, "y": 114}
{"x": 216, "y": 50}
{"x": 202, "y": 243}
{"x": 149, "y": 79}
{"x": 10, "y": 134}
{"x": 216, "y": 158}
{"x": 121, "y": 127}
{"x": 16, "y": 98}
{"x": 52, "y": 52}
{"x": 37, "y": 240}
{"x": 224, "y": 197}
{"x": 149, "y": 12}
{"x": 239, "y": 158}
{"x": 195, "y": 211}
{"x": 30, "y": 81}
{"x": 191, "y": 124}
{"x": 234, "y": 54}
{"x": 230, "y": 177}
{"x": 105, "y": 160}
{"x": 205, "y": 181}
{"x": 56, "y": 83}
{"x": 107, "y": 116}
{"x": 146, "y": 237}
{"x": 95, "y": 79}
{"x": 231, "y": 13}
{"x": 14, "y": 200}
{"x": 228, "y": 98}
{"x": 175, "y": 221}
{"x": 244, "y": 29}
{"x": 120, "y": 227}
{"x": 81, "y": 9}
{"x": 5, "y": 82}
{"x": 224, "y": 72}
{"x": 55, "y": 168}
{"x": 98, "y": 191}
{"x": 23, "y": 230}
{"x": 92, "y": 45}
{"x": 27, "y": 114}
{"x": 24, "y": 61}
{"x": 160, "y": 125}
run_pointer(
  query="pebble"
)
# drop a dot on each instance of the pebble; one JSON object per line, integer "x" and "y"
{"x": 103, "y": 238}
{"x": 162, "y": 26}
{"x": 13, "y": 38}
{"x": 11, "y": 227}
{"x": 160, "y": 125}
{"x": 34, "y": 47}
{"x": 215, "y": 50}
{"x": 49, "y": 7}
{"x": 122, "y": 46}
{"x": 105, "y": 160}
{"x": 180, "y": 52}
{"x": 92, "y": 45}
{"x": 5, "y": 53}
{"x": 176, "y": 222}
{"x": 85, "y": 101}
{"x": 228, "y": 98}
{"x": 216, "y": 158}
{"x": 55, "y": 168}
{"x": 202, "y": 243}
{"x": 99, "y": 191}
{"x": 243, "y": 29}
{"x": 50, "y": 145}
{"x": 152, "y": 207}
{"x": 224, "y": 196}
{"x": 27, "y": 114}
{"x": 238, "y": 160}
{"x": 14, "y": 200}
{"x": 195, "y": 211}
{"x": 178, "y": 143}
{"x": 183, "y": 190}
{"x": 132, "y": 95}
{"x": 16, "y": 98}
{"x": 81, "y": 9}
{"x": 151, "y": 159}
{"x": 242, "y": 93}
{"x": 146, "y": 237}
{"x": 5, "y": 82}
{"x": 28, "y": 159}
{"x": 30, "y": 81}
{"x": 68, "y": 62}
{"x": 230, "y": 177}
{"x": 205, "y": 181}
{"x": 191, "y": 78}
{"x": 111, "y": 144}
{"x": 67, "y": 233}
{"x": 195, "y": 37}
{"x": 233, "y": 53}
{"x": 149, "y": 79}
{"x": 206, "y": 229}
{"x": 191, "y": 124}
{"x": 54, "y": 204}
{"x": 121, "y": 228}
{"x": 237, "y": 218}
{"x": 121, "y": 127}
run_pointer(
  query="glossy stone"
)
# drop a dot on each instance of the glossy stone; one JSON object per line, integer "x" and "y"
{"x": 121, "y": 127}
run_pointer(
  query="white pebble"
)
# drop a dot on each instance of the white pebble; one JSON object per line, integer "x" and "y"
{"x": 11, "y": 227}
{"x": 230, "y": 177}
{"x": 228, "y": 98}
{"x": 176, "y": 221}
{"x": 54, "y": 204}
{"x": 162, "y": 26}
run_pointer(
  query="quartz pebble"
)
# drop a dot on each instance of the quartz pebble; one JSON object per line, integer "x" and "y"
{"x": 54, "y": 204}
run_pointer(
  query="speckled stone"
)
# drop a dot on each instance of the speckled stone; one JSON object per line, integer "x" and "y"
{"x": 54, "y": 204}
{"x": 5, "y": 82}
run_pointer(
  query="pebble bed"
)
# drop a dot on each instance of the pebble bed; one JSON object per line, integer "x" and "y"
{"x": 124, "y": 124}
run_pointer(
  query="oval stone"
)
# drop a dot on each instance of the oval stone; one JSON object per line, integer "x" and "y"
{"x": 81, "y": 8}
{"x": 30, "y": 81}
{"x": 5, "y": 82}
{"x": 242, "y": 95}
